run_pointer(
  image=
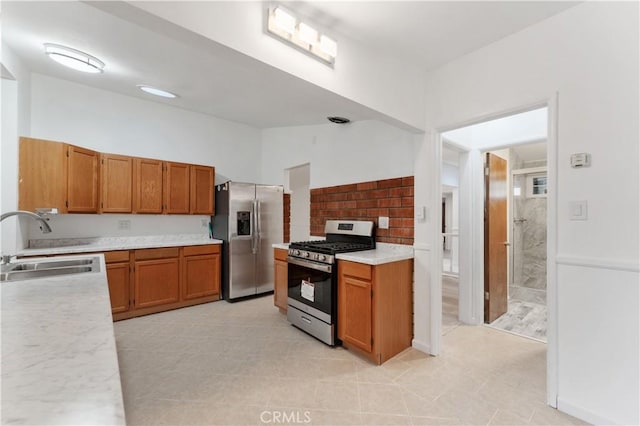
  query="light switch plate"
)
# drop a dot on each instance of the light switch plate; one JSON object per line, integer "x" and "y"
{"x": 578, "y": 210}
{"x": 383, "y": 222}
{"x": 124, "y": 225}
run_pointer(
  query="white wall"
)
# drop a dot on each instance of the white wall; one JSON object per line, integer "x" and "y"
{"x": 589, "y": 56}
{"x": 338, "y": 154}
{"x": 298, "y": 185}
{"x": 360, "y": 73}
{"x": 16, "y": 114}
{"x": 114, "y": 123}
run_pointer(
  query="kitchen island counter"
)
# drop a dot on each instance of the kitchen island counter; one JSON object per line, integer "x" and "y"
{"x": 59, "y": 359}
{"x": 101, "y": 244}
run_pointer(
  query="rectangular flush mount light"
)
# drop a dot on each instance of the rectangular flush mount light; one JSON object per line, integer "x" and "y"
{"x": 301, "y": 35}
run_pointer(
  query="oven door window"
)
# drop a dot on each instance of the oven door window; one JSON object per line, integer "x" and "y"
{"x": 311, "y": 287}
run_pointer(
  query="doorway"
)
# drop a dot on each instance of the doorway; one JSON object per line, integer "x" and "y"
{"x": 495, "y": 289}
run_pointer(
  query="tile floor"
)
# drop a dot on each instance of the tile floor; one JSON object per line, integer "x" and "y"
{"x": 449, "y": 303}
{"x": 524, "y": 318}
{"x": 242, "y": 363}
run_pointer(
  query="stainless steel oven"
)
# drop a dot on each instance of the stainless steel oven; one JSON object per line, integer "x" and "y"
{"x": 311, "y": 303}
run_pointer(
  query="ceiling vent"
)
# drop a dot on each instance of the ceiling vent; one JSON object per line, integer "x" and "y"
{"x": 339, "y": 120}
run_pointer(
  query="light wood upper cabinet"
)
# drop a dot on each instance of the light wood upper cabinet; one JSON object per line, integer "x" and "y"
{"x": 77, "y": 180}
{"x": 57, "y": 175}
{"x": 201, "y": 197}
{"x": 42, "y": 170}
{"x": 176, "y": 188}
{"x": 147, "y": 185}
{"x": 82, "y": 180}
{"x": 116, "y": 182}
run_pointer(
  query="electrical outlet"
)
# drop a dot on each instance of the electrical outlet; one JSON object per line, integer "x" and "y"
{"x": 383, "y": 222}
{"x": 124, "y": 225}
{"x": 204, "y": 223}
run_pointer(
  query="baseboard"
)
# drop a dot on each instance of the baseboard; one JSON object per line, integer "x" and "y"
{"x": 422, "y": 347}
{"x": 583, "y": 414}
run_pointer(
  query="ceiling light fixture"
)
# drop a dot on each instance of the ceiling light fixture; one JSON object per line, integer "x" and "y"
{"x": 73, "y": 58}
{"x": 155, "y": 91}
{"x": 301, "y": 35}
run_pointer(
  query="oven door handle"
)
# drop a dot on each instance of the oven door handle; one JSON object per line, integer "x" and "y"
{"x": 311, "y": 265}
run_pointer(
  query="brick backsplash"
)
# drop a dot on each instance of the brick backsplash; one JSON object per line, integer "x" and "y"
{"x": 286, "y": 217}
{"x": 367, "y": 201}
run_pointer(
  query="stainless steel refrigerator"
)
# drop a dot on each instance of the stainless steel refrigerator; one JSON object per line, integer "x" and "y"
{"x": 248, "y": 219}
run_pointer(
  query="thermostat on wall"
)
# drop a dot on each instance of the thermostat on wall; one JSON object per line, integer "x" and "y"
{"x": 581, "y": 159}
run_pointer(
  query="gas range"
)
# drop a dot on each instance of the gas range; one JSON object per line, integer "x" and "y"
{"x": 341, "y": 237}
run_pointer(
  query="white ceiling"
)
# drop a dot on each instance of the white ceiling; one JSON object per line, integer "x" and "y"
{"x": 213, "y": 79}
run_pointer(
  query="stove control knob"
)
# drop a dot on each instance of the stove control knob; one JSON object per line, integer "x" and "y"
{"x": 323, "y": 257}
{"x": 306, "y": 254}
{"x": 297, "y": 252}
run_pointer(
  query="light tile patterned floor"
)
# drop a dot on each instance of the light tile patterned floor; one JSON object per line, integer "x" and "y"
{"x": 524, "y": 318}
{"x": 242, "y": 363}
{"x": 449, "y": 303}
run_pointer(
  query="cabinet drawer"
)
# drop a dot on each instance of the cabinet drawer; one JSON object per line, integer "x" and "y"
{"x": 159, "y": 253}
{"x": 196, "y": 250}
{"x": 280, "y": 254}
{"x": 354, "y": 269}
{"x": 116, "y": 256}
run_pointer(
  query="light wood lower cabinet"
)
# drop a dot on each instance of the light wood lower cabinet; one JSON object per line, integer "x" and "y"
{"x": 375, "y": 304}
{"x": 156, "y": 277}
{"x": 280, "y": 279}
{"x": 119, "y": 278}
{"x": 148, "y": 281}
{"x": 201, "y": 272}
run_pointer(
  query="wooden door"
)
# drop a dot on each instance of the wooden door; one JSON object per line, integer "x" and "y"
{"x": 82, "y": 180}
{"x": 176, "y": 188}
{"x": 116, "y": 183}
{"x": 495, "y": 238}
{"x": 147, "y": 185}
{"x": 156, "y": 282}
{"x": 118, "y": 277}
{"x": 354, "y": 312}
{"x": 42, "y": 175}
{"x": 201, "y": 188}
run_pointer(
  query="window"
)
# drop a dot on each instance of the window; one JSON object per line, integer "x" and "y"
{"x": 537, "y": 185}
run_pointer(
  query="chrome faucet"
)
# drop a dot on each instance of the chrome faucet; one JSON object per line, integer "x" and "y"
{"x": 45, "y": 228}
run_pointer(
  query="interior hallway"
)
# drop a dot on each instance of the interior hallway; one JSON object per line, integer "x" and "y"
{"x": 222, "y": 363}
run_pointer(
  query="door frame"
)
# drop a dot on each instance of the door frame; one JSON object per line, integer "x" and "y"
{"x": 471, "y": 282}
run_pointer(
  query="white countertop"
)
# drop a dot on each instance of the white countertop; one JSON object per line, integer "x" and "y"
{"x": 384, "y": 253}
{"x": 59, "y": 359}
{"x": 101, "y": 244}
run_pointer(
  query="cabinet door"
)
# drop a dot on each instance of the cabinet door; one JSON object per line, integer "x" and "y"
{"x": 202, "y": 178}
{"x": 280, "y": 278}
{"x": 147, "y": 187}
{"x": 42, "y": 175}
{"x": 354, "y": 312}
{"x": 176, "y": 188}
{"x": 156, "y": 282}
{"x": 116, "y": 183}
{"x": 82, "y": 180}
{"x": 201, "y": 276}
{"x": 118, "y": 277}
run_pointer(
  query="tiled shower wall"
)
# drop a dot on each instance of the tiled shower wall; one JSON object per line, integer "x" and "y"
{"x": 367, "y": 201}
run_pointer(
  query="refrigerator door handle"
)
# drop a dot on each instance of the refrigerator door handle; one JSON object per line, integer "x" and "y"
{"x": 258, "y": 224}
{"x": 254, "y": 227}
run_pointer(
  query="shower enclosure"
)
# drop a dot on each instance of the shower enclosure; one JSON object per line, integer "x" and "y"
{"x": 529, "y": 238}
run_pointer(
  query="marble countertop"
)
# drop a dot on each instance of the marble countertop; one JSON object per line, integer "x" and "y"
{"x": 100, "y": 244}
{"x": 384, "y": 253}
{"x": 59, "y": 359}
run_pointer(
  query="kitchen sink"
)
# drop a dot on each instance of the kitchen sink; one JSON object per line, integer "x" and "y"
{"x": 48, "y": 268}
